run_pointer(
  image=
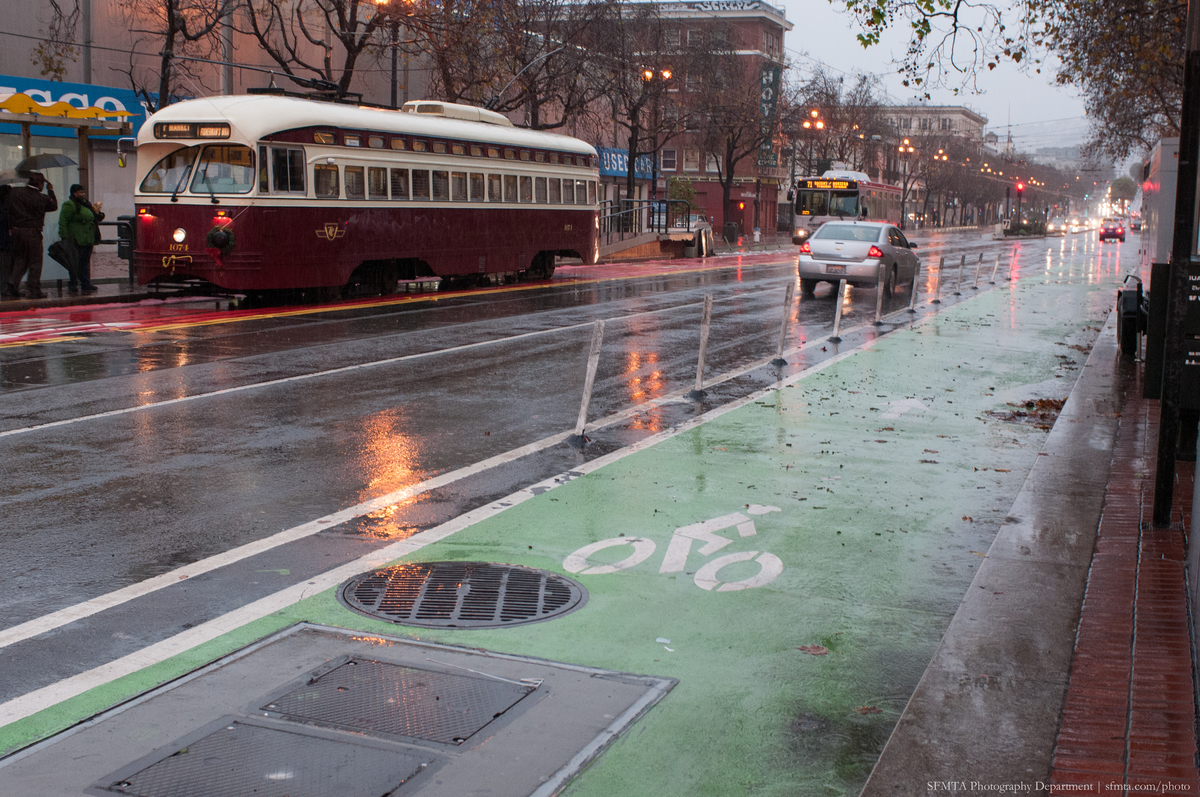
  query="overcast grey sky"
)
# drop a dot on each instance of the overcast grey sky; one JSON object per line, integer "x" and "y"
{"x": 1040, "y": 113}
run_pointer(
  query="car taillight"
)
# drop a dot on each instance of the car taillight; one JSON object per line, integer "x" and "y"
{"x": 874, "y": 251}
{"x": 805, "y": 249}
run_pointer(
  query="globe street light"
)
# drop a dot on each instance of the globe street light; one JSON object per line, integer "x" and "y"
{"x": 814, "y": 122}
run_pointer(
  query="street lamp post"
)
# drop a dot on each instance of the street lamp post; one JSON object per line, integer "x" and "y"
{"x": 384, "y": 7}
{"x": 813, "y": 123}
{"x": 905, "y": 150}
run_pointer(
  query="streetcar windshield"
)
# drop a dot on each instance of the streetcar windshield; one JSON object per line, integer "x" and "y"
{"x": 170, "y": 174}
{"x": 224, "y": 169}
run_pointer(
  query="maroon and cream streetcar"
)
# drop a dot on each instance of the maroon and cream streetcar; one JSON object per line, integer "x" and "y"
{"x": 262, "y": 193}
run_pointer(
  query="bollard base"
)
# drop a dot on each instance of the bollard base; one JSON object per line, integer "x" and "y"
{"x": 578, "y": 440}
{"x": 935, "y": 301}
{"x": 878, "y": 324}
{"x": 695, "y": 395}
{"x": 835, "y": 339}
{"x": 779, "y": 362}
{"x": 912, "y": 310}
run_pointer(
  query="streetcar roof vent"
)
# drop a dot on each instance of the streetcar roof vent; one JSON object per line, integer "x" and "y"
{"x": 461, "y": 594}
{"x": 452, "y": 110}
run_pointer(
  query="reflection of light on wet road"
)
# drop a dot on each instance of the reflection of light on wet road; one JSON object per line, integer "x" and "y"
{"x": 387, "y": 458}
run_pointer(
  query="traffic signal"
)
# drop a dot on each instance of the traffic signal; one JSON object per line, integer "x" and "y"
{"x": 741, "y": 206}
{"x": 1020, "y": 188}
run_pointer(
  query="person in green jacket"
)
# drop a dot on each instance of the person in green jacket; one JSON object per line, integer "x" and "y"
{"x": 77, "y": 222}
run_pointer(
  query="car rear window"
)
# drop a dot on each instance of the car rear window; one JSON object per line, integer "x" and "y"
{"x": 849, "y": 232}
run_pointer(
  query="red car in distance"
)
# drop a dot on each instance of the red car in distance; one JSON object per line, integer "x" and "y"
{"x": 1112, "y": 228}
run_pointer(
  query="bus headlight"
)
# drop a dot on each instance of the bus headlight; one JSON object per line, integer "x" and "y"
{"x": 179, "y": 235}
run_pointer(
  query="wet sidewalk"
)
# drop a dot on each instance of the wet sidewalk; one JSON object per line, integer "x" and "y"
{"x": 872, "y": 569}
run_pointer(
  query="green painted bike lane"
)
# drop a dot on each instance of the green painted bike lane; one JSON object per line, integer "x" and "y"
{"x": 863, "y": 494}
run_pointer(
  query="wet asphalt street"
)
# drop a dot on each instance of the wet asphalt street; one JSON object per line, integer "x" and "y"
{"x": 126, "y": 456}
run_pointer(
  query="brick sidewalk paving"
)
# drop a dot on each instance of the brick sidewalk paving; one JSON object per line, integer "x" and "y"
{"x": 1129, "y": 719}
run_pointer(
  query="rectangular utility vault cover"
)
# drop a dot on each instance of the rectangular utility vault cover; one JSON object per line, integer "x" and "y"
{"x": 315, "y": 711}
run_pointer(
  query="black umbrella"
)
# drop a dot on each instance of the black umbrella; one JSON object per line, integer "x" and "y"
{"x": 35, "y": 163}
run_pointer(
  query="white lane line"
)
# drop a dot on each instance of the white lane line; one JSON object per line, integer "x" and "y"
{"x": 350, "y": 368}
{"x": 40, "y": 699}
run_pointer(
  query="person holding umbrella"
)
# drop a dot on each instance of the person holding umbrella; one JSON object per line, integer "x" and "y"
{"x": 77, "y": 223}
{"x": 27, "y": 207}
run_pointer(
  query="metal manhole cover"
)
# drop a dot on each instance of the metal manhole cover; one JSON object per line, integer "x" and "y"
{"x": 462, "y": 594}
{"x": 382, "y": 699}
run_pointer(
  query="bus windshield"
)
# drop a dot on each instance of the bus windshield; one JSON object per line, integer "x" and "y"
{"x": 843, "y": 203}
{"x": 170, "y": 174}
{"x": 812, "y": 203}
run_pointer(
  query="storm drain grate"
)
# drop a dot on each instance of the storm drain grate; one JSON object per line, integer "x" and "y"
{"x": 384, "y": 699}
{"x": 243, "y": 759}
{"x": 462, "y": 594}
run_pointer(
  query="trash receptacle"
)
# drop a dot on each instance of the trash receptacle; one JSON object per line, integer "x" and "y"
{"x": 731, "y": 231}
{"x": 757, "y": 235}
{"x": 1130, "y": 313}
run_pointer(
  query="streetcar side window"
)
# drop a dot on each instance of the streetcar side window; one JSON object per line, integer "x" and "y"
{"x": 225, "y": 169}
{"x": 377, "y": 183}
{"x": 325, "y": 181}
{"x": 420, "y": 184}
{"x": 400, "y": 184}
{"x": 494, "y": 194}
{"x": 591, "y": 192}
{"x": 555, "y": 191}
{"x": 510, "y": 188}
{"x": 264, "y": 177}
{"x": 287, "y": 167}
{"x": 441, "y": 186}
{"x": 580, "y": 192}
{"x": 477, "y": 191}
{"x": 356, "y": 186}
{"x": 170, "y": 174}
{"x": 526, "y": 189}
{"x": 458, "y": 186}
{"x": 568, "y": 192}
{"x": 539, "y": 190}
{"x": 476, "y": 151}
{"x": 375, "y": 142}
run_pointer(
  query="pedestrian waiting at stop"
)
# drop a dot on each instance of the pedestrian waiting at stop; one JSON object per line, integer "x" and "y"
{"x": 77, "y": 224}
{"x": 27, "y": 207}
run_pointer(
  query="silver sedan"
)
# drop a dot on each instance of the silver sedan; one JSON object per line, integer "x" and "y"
{"x": 860, "y": 252}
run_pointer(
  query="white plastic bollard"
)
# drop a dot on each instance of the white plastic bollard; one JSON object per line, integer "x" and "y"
{"x": 789, "y": 295}
{"x": 979, "y": 265}
{"x": 962, "y": 264}
{"x": 593, "y": 360}
{"x": 705, "y": 321}
{"x": 837, "y": 316}
{"x": 995, "y": 268}
{"x": 937, "y": 283}
{"x": 879, "y": 284}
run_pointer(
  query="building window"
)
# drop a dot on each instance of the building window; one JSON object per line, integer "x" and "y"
{"x": 695, "y": 37}
{"x": 712, "y": 163}
{"x": 946, "y": 124}
{"x": 671, "y": 37}
{"x": 667, "y": 162}
{"x": 924, "y": 123}
{"x": 906, "y": 123}
{"x": 691, "y": 160}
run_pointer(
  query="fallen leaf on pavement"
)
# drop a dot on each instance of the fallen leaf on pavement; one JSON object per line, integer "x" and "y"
{"x": 865, "y": 710}
{"x": 813, "y": 650}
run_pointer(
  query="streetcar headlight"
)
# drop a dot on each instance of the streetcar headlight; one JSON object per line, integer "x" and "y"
{"x": 179, "y": 235}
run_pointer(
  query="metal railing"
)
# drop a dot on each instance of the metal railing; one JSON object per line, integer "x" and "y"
{"x": 628, "y": 218}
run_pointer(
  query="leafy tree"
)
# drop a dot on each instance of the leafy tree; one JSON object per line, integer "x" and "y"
{"x": 1123, "y": 190}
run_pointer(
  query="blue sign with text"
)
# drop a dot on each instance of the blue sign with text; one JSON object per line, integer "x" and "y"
{"x": 81, "y": 95}
{"x": 615, "y": 163}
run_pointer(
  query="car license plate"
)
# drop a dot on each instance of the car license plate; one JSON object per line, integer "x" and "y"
{"x": 835, "y": 269}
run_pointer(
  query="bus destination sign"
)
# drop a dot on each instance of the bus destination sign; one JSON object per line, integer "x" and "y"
{"x": 832, "y": 184}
